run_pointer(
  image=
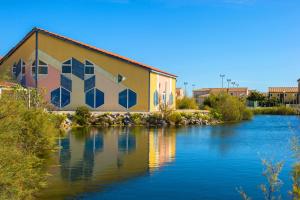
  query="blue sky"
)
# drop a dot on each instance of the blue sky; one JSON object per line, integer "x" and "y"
{"x": 254, "y": 42}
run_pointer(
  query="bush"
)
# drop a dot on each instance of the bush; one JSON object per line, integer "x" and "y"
{"x": 137, "y": 118}
{"x": 82, "y": 116}
{"x": 27, "y": 136}
{"x": 280, "y": 110}
{"x": 186, "y": 103}
{"x": 175, "y": 118}
{"x": 228, "y": 108}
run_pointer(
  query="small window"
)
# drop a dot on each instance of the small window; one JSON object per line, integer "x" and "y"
{"x": 271, "y": 94}
{"x": 285, "y": 95}
{"x": 67, "y": 67}
{"x": 89, "y": 67}
{"x": 120, "y": 78}
{"x": 42, "y": 68}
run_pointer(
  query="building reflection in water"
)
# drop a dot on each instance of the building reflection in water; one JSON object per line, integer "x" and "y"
{"x": 90, "y": 160}
{"x": 162, "y": 147}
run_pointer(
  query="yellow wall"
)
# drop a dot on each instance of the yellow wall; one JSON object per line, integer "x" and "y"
{"x": 24, "y": 52}
{"x": 290, "y": 97}
{"x": 154, "y": 79}
{"x": 137, "y": 78}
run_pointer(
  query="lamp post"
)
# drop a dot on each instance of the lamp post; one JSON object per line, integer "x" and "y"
{"x": 185, "y": 92}
{"x": 228, "y": 81}
{"x": 222, "y": 77}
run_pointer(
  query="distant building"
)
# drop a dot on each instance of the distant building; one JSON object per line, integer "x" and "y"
{"x": 285, "y": 95}
{"x": 179, "y": 93}
{"x": 201, "y": 94}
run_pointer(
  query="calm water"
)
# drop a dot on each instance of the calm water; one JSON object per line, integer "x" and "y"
{"x": 188, "y": 163}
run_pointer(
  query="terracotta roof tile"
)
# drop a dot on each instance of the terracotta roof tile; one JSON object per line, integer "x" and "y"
{"x": 216, "y": 90}
{"x": 283, "y": 89}
{"x": 7, "y": 84}
{"x": 88, "y": 47}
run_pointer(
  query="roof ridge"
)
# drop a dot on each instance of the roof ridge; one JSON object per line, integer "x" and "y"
{"x": 76, "y": 42}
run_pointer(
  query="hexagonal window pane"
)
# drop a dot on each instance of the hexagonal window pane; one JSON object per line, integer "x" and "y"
{"x": 123, "y": 98}
{"x": 99, "y": 98}
{"x": 55, "y": 97}
{"x": 90, "y": 98}
{"x": 131, "y": 98}
{"x": 65, "y": 97}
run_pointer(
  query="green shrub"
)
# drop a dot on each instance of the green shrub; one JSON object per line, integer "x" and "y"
{"x": 280, "y": 110}
{"x": 247, "y": 114}
{"x": 228, "y": 108}
{"x": 137, "y": 118}
{"x": 82, "y": 116}
{"x": 186, "y": 103}
{"x": 175, "y": 118}
{"x": 27, "y": 136}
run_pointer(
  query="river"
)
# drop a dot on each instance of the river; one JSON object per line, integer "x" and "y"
{"x": 205, "y": 162}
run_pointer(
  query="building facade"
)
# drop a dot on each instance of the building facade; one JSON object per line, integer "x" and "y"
{"x": 201, "y": 94}
{"x": 284, "y": 95}
{"x": 74, "y": 74}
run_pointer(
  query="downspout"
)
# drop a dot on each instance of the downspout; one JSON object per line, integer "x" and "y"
{"x": 36, "y": 58}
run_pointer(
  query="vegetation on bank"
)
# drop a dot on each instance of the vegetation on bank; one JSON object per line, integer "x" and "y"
{"x": 278, "y": 110}
{"x": 186, "y": 103}
{"x": 27, "y": 136}
{"x": 165, "y": 117}
{"x": 262, "y": 99}
{"x": 228, "y": 108}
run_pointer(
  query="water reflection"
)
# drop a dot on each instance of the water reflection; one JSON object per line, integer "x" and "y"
{"x": 91, "y": 159}
{"x": 162, "y": 147}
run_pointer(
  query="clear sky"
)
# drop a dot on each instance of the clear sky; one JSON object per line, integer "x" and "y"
{"x": 254, "y": 42}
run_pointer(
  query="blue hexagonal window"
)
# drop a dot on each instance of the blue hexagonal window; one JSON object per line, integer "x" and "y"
{"x": 94, "y": 98}
{"x": 90, "y": 98}
{"x": 55, "y": 97}
{"x": 99, "y": 98}
{"x": 60, "y": 97}
{"x": 65, "y": 97}
{"x": 127, "y": 98}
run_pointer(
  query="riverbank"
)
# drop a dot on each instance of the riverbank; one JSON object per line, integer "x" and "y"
{"x": 279, "y": 110}
{"x": 155, "y": 119}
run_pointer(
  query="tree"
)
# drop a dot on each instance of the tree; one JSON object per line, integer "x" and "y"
{"x": 27, "y": 136}
{"x": 256, "y": 96}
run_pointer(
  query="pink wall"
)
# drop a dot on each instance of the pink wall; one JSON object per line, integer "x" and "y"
{"x": 49, "y": 82}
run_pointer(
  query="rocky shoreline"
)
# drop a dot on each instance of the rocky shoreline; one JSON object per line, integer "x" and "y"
{"x": 156, "y": 119}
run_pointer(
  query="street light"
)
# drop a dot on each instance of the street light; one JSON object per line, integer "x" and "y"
{"x": 228, "y": 81}
{"x": 185, "y": 92}
{"x": 222, "y": 77}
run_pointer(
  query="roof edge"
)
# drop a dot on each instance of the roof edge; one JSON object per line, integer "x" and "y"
{"x": 75, "y": 42}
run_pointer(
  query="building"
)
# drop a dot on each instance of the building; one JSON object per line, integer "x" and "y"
{"x": 179, "y": 93}
{"x": 285, "y": 95}
{"x": 201, "y": 94}
{"x": 75, "y": 74}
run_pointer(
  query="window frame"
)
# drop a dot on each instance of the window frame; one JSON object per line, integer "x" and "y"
{"x": 66, "y": 65}
{"x": 89, "y": 66}
{"x": 33, "y": 68}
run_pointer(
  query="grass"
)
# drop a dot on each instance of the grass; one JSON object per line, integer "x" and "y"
{"x": 278, "y": 110}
